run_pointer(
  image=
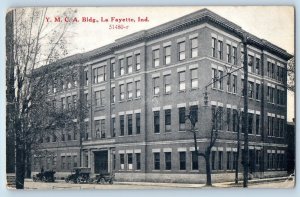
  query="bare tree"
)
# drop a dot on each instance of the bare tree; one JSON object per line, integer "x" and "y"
{"x": 291, "y": 74}
{"x": 216, "y": 120}
{"x": 32, "y": 115}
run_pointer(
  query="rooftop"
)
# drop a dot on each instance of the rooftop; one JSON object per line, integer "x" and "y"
{"x": 195, "y": 18}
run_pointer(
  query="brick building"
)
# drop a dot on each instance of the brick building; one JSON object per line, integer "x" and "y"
{"x": 138, "y": 90}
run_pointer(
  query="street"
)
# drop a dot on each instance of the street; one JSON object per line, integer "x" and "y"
{"x": 147, "y": 185}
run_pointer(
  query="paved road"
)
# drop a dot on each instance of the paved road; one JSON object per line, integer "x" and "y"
{"x": 63, "y": 185}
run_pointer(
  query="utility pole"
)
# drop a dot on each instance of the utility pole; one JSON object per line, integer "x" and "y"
{"x": 238, "y": 148}
{"x": 245, "y": 115}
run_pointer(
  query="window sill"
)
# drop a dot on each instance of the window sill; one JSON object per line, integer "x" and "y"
{"x": 182, "y": 131}
{"x": 156, "y": 95}
{"x": 181, "y": 91}
{"x": 137, "y": 98}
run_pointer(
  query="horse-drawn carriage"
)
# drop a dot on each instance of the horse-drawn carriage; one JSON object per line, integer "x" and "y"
{"x": 45, "y": 176}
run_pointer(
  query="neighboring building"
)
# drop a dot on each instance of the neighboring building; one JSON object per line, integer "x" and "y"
{"x": 291, "y": 148}
{"x": 138, "y": 90}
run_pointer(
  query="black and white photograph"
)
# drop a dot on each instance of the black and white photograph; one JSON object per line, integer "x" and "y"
{"x": 182, "y": 97}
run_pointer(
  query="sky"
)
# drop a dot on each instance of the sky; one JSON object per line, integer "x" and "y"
{"x": 273, "y": 23}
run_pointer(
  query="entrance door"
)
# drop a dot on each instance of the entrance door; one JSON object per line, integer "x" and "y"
{"x": 101, "y": 161}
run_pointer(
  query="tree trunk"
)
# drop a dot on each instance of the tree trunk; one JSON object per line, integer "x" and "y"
{"x": 208, "y": 172}
{"x": 20, "y": 164}
{"x": 28, "y": 166}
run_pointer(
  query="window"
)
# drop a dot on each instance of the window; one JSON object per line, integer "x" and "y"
{"x": 99, "y": 74}
{"x": 181, "y": 55}
{"x": 122, "y": 161}
{"x": 138, "y": 62}
{"x": 182, "y": 118}
{"x": 242, "y": 57}
{"x": 168, "y": 161}
{"x": 213, "y": 47}
{"x": 234, "y": 84}
{"x": 122, "y": 125}
{"x": 63, "y": 162}
{"x": 195, "y": 165}
{"x": 167, "y": 120}
{"x": 97, "y": 98}
{"x": 113, "y": 95}
{"x": 194, "y": 78}
{"x": 114, "y": 161}
{"x": 269, "y": 69}
{"x": 220, "y": 84}
{"x": 229, "y": 82}
{"x": 234, "y": 120}
{"x": 181, "y": 81}
{"x": 138, "y": 123}
{"x": 75, "y": 101}
{"x": 220, "y": 49}
{"x": 122, "y": 68}
{"x": 194, "y": 112}
{"x": 194, "y": 47}
{"x": 138, "y": 89}
{"x": 156, "y": 86}
{"x": 250, "y": 123}
{"x": 167, "y": 52}
{"x": 257, "y": 66}
{"x": 155, "y": 57}
{"x": 69, "y": 137}
{"x": 129, "y": 90}
{"x": 257, "y": 91}
{"x": 228, "y": 50}
{"x": 156, "y": 161}
{"x": 122, "y": 92}
{"x": 86, "y": 77}
{"x": 113, "y": 122}
{"x": 242, "y": 87}
{"x": 257, "y": 124}
{"x": 273, "y": 71}
{"x": 129, "y": 124}
{"x": 54, "y": 138}
{"x": 102, "y": 127}
{"x": 75, "y": 161}
{"x": 214, "y": 77}
{"x": 97, "y": 128}
{"x": 234, "y": 160}
{"x": 234, "y": 55}
{"x": 167, "y": 83}
{"x": 220, "y": 160}
{"x": 69, "y": 103}
{"x": 156, "y": 122}
{"x": 269, "y": 126}
{"x": 129, "y": 161}
{"x": 229, "y": 160}
{"x": 113, "y": 69}
{"x": 102, "y": 97}
{"x": 213, "y": 160}
{"x": 129, "y": 64}
{"x": 182, "y": 160}
{"x": 63, "y": 103}
{"x": 228, "y": 119}
{"x": 251, "y": 89}
{"x": 138, "y": 161}
{"x": 250, "y": 63}
{"x": 86, "y": 99}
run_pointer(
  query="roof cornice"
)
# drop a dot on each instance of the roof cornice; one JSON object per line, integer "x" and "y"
{"x": 193, "y": 19}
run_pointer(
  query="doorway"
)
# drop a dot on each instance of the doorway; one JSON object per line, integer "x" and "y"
{"x": 101, "y": 162}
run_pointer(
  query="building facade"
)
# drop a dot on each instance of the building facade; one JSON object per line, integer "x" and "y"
{"x": 138, "y": 90}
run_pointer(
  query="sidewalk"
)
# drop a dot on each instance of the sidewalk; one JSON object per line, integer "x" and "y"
{"x": 215, "y": 185}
